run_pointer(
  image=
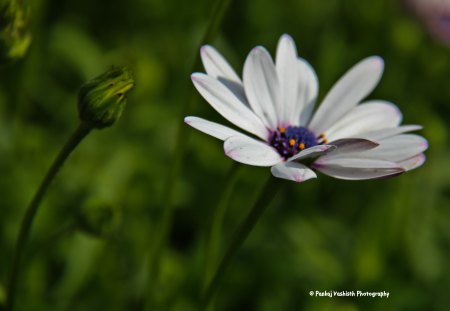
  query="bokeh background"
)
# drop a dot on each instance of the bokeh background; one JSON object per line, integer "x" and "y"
{"x": 92, "y": 239}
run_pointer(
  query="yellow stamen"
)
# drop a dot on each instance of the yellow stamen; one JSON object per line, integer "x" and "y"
{"x": 301, "y": 146}
{"x": 282, "y": 130}
{"x": 291, "y": 142}
{"x": 323, "y": 138}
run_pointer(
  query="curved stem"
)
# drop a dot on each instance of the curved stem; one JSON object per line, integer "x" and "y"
{"x": 33, "y": 207}
{"x": 266, "y": 196}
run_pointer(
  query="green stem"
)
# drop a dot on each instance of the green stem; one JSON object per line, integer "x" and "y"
{"x": 32, "y": 210}
{"x": 180, "y": 147}
{"x": 214, "y": 237}
{"x": 266, "y": 196}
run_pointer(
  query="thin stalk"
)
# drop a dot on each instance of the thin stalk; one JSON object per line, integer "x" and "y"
{"x": 180, "y": 146}
{"x": 266, "y": 196}
{"x": 215, "y": 233}
{"x": 33, "y": 207}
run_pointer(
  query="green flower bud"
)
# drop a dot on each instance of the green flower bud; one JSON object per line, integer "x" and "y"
{"x": 14, "y": 36}
{"x": 99, "y": 218}
{"x": 102, "y": 99}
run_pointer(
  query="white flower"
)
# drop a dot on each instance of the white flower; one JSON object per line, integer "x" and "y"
{"x": 274, "y": 102}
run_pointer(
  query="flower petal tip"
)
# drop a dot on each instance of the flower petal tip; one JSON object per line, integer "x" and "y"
{"x": 205, "y": 48}
{"x": 414, "y": 162}
{"x": 197, "y": 76}
{"x": 301, "y": 178}
{"x": 258, "y": 50}
{"x": 298, "y": 178}
{"x": 376, "y": 63}
{"x": 255, "y": 50}
{"x": 228, "y": 152}
{"x": 287, "y": 37}
{"x": 378, "y": 60}
{"x": 207, "y": 51}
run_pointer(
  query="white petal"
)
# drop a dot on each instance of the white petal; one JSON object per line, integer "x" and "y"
{"x": 389, "y": 132}
{"x": 216, "y": 66}
{"x": 292, "y": 171}
{"x": 228, "y": 105}
{"x": 312, "y": 152}
{"x": 211, "y": 128}
{"x": 261, "y": 85}
{"x": 397, "y": 148}
{"x": 373, "y": 115}
{"x": 355, "y": 163}
{"x": 413, "y": 162}
{"x": 356, "y": 84}
{"x": 344, "y": 147}
{"x": 237, "y": 89}
{"x": 359, "y": 173}
{"x": 286, "y": 66}
{"x": 308, "y": 87}
{"x": 298, "y": 84}
{"x": 250, "y": 151}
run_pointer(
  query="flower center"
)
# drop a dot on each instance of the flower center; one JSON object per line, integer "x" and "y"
{"x": 291, "y": 140}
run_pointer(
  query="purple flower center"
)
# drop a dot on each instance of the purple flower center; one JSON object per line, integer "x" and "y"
{"x": 291, "y": 140}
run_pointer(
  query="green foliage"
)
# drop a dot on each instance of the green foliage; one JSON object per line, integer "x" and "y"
{"x": 324, "y": 234}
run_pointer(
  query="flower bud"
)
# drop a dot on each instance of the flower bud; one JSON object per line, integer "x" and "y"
{"x": 14, "y": 36}
{"x": 99, "y": 218}
{"x": 102, "y": 99}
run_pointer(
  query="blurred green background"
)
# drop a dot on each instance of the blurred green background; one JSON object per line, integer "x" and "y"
{"x": 92, "y": 238}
